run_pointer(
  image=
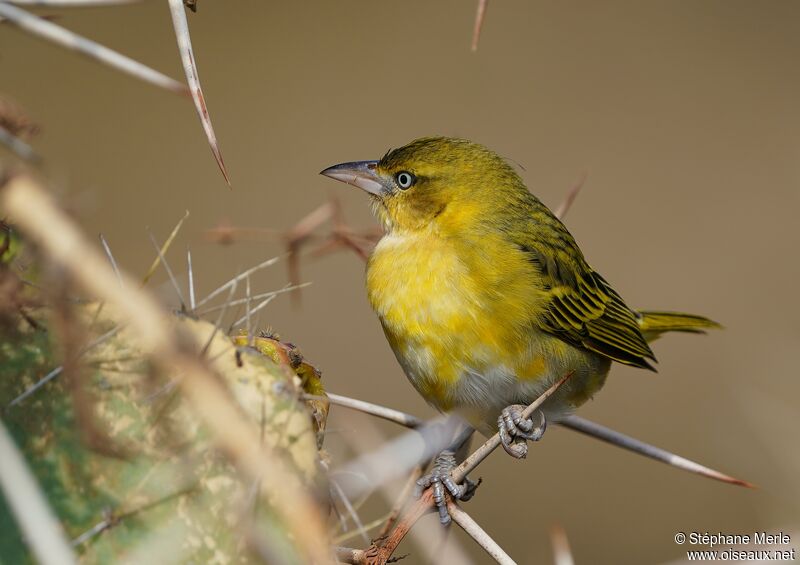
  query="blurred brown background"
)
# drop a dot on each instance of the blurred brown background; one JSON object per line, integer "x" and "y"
{"x": 684, "y": 115}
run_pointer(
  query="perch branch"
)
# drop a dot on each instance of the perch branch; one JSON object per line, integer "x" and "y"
{"x": 376, "y": 410}
{"x": 626, "y": 442}
{"x": 385, "y": 547}
{"x": 478, "y": 534}
{"x": 573, "y": 422}
{"x": 471, "y": 462}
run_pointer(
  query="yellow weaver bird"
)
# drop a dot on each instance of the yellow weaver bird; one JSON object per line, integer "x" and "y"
{"x": 485, "y": 297}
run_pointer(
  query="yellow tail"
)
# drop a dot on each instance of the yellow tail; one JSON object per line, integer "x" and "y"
{"x": 653, "y": 324}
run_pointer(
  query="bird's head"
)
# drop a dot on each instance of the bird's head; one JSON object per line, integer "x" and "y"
{"x": 434, "y": 182}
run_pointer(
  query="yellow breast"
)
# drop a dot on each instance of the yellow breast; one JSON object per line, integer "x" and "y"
{"x": 447, "y": 312}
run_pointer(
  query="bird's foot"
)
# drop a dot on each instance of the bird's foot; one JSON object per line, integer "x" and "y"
{"x": 441, "y": 478}
{"x": 515, "y": 431}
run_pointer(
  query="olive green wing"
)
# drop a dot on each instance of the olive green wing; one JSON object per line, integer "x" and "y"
{"x": 581, "y": 307}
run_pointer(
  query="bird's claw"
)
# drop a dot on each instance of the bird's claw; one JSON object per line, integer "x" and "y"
{"x": 440, "y": 479}
{"x": 515, "y": 431}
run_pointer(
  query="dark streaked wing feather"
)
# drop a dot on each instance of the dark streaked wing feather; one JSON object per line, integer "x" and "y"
{"x": 583, "y": 309}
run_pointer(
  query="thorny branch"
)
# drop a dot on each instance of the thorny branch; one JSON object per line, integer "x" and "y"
{"x": 382, "y": 549}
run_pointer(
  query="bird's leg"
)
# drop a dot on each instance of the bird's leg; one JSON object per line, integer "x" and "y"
{"x": 441, "y": 478}
{"x": 515, "y": 431}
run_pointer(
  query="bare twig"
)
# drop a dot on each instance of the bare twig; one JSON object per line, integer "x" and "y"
{"x": 480, "y": 14}
{"x": 425, "y": 539}
{"x": 299, "y": 235}
{"x": 40, "y": 527}
{"x": 225, "y": 234}
{"x": 380, "y": 551}
{"x": 341, "y": 236}
{"x": 394, "y": 459}
{"x": 190, "y": 68}
{"x": 61, "y": 36}
{"x": 383, "y": 412}
{"x": 386, "y": 547}
{"x": 626, "y": 442}
{"x": 469, "y": 464}
{"x": 566, "y": 204}
{"x": 402, "y": 498}
{"x": 478, "y": 534}
{"x": 571, "y": 422}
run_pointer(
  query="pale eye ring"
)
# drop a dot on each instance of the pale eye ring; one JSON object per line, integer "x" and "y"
{"x": 405, "y": 180}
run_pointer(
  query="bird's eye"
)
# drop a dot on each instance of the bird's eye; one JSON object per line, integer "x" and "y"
{"x": 404, "y": 179}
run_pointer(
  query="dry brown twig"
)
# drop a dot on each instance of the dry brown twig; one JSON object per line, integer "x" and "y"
{"x": 473, "y": 529}
{"x": 433, "y": 545}
{"x": 572, "y": 422}
{"x": 181, "y": 25}
{"x": 382, "y": 550}
{"x": 395, "y": 530}
{"x": 341, "y": 236}
{"x": 480, "y": 14}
